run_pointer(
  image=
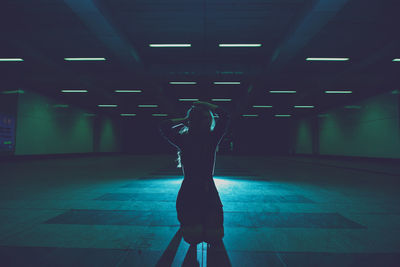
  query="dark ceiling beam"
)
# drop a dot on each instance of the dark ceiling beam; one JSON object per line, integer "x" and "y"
{"x": 314, "y": 17}
{"x": 96, "y": 17}
{"x": 352, "y": 75}
{"x": 318, "y": 14}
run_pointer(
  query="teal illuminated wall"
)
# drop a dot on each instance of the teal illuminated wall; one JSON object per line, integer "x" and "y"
{"x": 110, "y": 135}
{"x": 304, "y": 141}
{"x": 43, "y": 128}
{"x": 369, "y": 129}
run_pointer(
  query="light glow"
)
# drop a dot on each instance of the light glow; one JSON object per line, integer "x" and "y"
{"x": 304, "y": 106}
{"x": 127, "y": 114}
{"x": 159, "y": 115}
{"x": 282, "y": 92}
{"x": 226, "y": 82}
{"x": 170, "y": 45}
{"x": 328, "y": 59}
{"x": 128, "y": 91}
{"x": 250, "y": 115}
{"x": 262, "y": 106}
{"x": 188, "y": 99}
{"x": 13, "y": 92}
{"x": 396, "y": 60}
{"x": 338, "y": 92}
{"x": 84, "y": 59}
{"x": 107, "y": 106}
{"x": 60, "y": 106}
{"x": 239, "y": 45}
{"x": 283, "y": 115}
{"x": 221, "y": 99}
{"x": 11, "y": 59}
{"x": 182, "y": 82}
{"x": 147, "y": 106}
{"x": 74, "y": 91}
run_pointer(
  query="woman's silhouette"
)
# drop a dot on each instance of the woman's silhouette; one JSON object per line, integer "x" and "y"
{"x": 196, "y": 137}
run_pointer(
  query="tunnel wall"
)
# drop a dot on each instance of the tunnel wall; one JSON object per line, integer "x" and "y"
{"x": 304, "y": 137}
{"x": 45, "y": 129}
{"x": 371, "y": 130}
{"x": 109, "y": 135}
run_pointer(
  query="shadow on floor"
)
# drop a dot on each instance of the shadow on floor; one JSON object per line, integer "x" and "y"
{"x": 216, "y": 254}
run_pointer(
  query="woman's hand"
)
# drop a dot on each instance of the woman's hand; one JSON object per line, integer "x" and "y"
{"x": 202, "y": 104}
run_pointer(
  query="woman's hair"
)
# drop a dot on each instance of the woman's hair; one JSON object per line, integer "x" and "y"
{"x": 194, "y": 114}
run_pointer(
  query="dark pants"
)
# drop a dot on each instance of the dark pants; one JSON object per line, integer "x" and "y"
{"x": 200, "y": 213}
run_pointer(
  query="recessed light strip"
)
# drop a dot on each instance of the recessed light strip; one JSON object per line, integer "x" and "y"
{"x": 11, "y": 59}
{"x": 282, "y": 92}
{"x": 221, "y": 99}
{"x": 226, "y": 82}
{"x": 84, "y": 59}
{"x": 170, "y": 45}
{"x": 188, "y": 99}
{"x": 13, "y": 92}
{"x": 304, "y": 106}
{"x": 127, "y": 115}
{"x": 262, "y": 106}
{"x": 74, "y": 91}
{"x": 159, "y": 115}
{"x": 128, "y": 91}
{"x": 250, "y": 115}
{"x": 338, "y": 92}
{"x": 239, "y": 45}
{"x": 327, "y": 59}
{"x": 283, "y": 115}
{"x": 182, "y": 82}
{"x": 107, "y": 106}
{"x": 147, "y": 106}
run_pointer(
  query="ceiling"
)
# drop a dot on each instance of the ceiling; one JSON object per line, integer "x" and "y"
{"x": 44, "y": 32}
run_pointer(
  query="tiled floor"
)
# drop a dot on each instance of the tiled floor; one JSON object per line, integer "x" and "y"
{"x": 120, "y": 211}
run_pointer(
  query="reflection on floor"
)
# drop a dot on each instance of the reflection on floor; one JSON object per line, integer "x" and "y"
{"x": 120, "y": 211}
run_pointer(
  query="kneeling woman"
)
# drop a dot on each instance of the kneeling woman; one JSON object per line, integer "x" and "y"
{"x": 196, "y": 137}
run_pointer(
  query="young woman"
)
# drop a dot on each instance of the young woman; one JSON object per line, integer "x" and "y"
{"x": 196, "y": 137}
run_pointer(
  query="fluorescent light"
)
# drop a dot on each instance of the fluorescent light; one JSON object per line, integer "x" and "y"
{"x": 107, "y": 106}
{"x": 89, "y": 114}
{"x": 128, "y": 91}
{"x": 282, "y": 92}
{"x": 127, "y": 115}
{"x": 147, "y": 106}
{"x": 250, "y": 115}
{"x": 226, "y": 82}
{"x": 60, "y": 106}
{"x": 353, "y": 107}
{"x": 84, "y": 59}
{"x": 283, "y": 115}
{"x": 11, "y": 59}
{"x": 13, "y": 92}
{"x": 170, "y": 45}
{"x": 188, "y": 99}
{"x": 182, "y": 82}
{"x": 338, "y": 92}
{"x": 221, "y": 99}
{"x": 239, "y": 45}
{"x": 327, "y": 59}
{"x": 74, "y": 91}
{"x": 304, "y": 106}
{"x": 262, "y": 106}
{"x": 159, "y": 115}
{"x": 396, "y": 60}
